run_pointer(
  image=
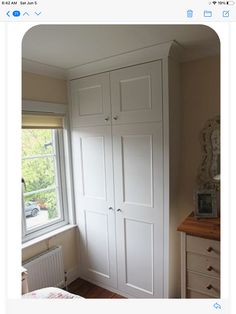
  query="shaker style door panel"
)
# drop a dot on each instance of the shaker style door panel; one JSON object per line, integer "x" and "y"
{"x": 93, "y": 175}
{"x": 90, "y": 97}
{"x": 138, "y": 178}
{"x": 136, "y": 93}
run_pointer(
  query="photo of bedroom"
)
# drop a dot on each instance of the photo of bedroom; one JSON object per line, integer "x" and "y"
{"x": 121, "y": 162}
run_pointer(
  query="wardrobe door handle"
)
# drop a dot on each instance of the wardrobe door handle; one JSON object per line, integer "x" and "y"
{"x": 115, "y": 118}
{"x": 209, "y": 268}
{"x": 107, "y": 119}
{"x": 119, "y": 210}
{"x": 110, "y": 208}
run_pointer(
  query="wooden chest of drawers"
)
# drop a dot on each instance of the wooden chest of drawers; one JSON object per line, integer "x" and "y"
{"x": 200, "y": 262}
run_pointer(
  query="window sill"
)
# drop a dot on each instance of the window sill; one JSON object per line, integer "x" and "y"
{"x": 47, "y": 236}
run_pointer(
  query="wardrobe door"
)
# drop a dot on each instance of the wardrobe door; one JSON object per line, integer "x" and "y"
{"x": 90, "y": 97}
{"x": 136, "y": 93}
{"x": 93, "y": 176}
{"x": 138, "y": 178}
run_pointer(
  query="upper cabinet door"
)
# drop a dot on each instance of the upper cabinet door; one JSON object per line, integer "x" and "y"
{"x": 90, "y": 97}
{"x": 136, "y": 93}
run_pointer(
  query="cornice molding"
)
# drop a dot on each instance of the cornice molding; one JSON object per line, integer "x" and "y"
{"x": 138, "y": 56}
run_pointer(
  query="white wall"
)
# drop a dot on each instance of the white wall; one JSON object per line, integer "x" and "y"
{"x": 43, "y": 88}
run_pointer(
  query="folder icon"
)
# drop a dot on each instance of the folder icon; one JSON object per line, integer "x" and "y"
{"x": 207, "y": 13}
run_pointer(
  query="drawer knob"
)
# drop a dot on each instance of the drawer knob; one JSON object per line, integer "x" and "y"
{"x": 115, "y": 117}
{"x": 209, "y": 268}
{"x": 209, "y": 249}
{"x": 209, "y": 287}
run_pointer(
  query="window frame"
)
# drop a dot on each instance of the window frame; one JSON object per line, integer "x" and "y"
{"x": 64, "y": 173}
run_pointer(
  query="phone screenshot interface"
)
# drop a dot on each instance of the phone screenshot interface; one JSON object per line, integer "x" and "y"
{"x": 117, "y": 165}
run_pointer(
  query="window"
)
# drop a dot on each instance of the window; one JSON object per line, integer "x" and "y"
{"x": 44, "y": 205}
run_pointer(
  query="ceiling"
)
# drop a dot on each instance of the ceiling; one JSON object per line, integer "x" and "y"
{"x": 68, "y": 46}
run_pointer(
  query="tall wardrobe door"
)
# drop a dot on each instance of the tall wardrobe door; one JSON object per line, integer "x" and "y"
{"x": 138, "y": 174}
{"x": 136, "y": 93}
{"x": 93, "y": 175}
{"x": 90, "y": 97}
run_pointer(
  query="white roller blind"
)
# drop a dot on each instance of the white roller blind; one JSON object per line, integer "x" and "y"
{"x": 42, "y": 121}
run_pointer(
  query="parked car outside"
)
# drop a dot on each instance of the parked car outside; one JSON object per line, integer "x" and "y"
{"x": 31, "y": 209}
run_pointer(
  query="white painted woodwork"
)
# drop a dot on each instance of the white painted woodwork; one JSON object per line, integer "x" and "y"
{"x": 93, "y": 172}
{"x": 131, "y": 58}
{"x": 124, "y": 163}
{"x": 172, "y": 151}
{"x": 201, "y": 246}
{"x": 136, "y": 93}
{"x": 199, "y": 268}
{"x": 206, "y": 265}
{"x": 90, "y": 97}
{"x": 138, "y": 181}
{"x": 139, "y": 252}
{"x": 183, "y": 265}
{"x": 200, "y": 283}
{"x": 196, "y": 295}
{"x": 97, "y": 242}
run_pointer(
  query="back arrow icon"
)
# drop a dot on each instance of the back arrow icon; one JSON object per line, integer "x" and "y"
{"x": 8, "y": 13}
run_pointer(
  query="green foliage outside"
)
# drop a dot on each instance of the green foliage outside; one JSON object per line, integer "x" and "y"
{"x": 39, "y": 173}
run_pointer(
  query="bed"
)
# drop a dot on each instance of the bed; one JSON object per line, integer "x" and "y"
{"x": 50, "y": 293}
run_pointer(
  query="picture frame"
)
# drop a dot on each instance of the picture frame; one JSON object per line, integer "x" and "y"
{"x": 205, "y": 204}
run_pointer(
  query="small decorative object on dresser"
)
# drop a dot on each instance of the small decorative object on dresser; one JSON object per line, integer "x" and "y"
{"x": 205, "y": 204}
{"x": 200, "y": 257}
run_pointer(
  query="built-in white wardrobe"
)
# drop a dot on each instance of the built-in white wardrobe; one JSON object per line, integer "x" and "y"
{"x": 124, "y": 123}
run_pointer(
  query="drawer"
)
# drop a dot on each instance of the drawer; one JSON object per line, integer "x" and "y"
{"x": 203, "y": 246}
{"x": 203, "y": 284}
{"x": 190, "y": 294}
{"x": 204, "y": 264}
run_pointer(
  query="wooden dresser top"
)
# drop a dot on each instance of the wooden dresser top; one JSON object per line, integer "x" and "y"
{"x": 208, "y": 228}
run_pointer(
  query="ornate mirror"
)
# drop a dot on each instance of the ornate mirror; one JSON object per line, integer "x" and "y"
{"x": 209, "y": 172}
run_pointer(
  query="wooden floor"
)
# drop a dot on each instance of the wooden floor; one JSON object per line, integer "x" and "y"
{"x": 88, "y": 290}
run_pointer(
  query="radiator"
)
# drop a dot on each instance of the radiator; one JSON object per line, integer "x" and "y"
{"x": 46, "y": 269}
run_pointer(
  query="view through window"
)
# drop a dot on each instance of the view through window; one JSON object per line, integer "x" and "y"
{"x": 40, "y": 171}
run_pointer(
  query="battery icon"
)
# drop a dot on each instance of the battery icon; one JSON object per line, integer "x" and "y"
{"x": 230, "y": 2}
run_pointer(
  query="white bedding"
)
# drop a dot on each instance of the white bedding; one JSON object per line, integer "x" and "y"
{"x": 50, "y": 293}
